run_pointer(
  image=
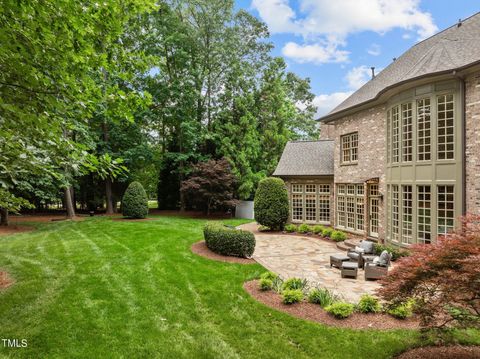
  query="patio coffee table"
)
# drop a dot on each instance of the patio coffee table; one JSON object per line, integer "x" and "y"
{"x": 337, "y": 260}
{"x": 349, "y": 269}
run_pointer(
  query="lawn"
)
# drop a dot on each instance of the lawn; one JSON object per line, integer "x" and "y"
{"x": 104, "y": 288}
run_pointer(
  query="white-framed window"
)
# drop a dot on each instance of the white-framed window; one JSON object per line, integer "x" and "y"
{"x": 349, "y": 145}
{"x": 395, "y": 214}
{"x": 350, "y": 206}
{"x": 445, "y": 127}
{"x": 407, "y": 132}
{"x": 395, "y": 135}
{"x": 424, "y": 214}
{"x": 424, "y": 136}
{"x": 446, "y": 209}
{"x": 310, "y": 202}
{"x": 407, "y": 214}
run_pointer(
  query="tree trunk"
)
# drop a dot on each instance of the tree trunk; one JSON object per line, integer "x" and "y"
{"x": 69, "y": 202}
{"x": 3, "y": 217}
{"x": 108, "y": 195}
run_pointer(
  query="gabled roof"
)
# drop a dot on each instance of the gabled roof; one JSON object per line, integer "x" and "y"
{"x": 306, "y": 158}
{"x": 455, "y": 48}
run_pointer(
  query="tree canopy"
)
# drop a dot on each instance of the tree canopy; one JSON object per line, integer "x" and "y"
{"x": 96, "y": 95}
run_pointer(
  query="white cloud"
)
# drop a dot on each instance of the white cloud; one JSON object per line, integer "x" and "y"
{"x": 374, "y": 50}
{"x": 315, "y": 53}
{"x": 327, "y": 102}
{"x": 358, "y": 76}
{"x": 330, "y": 22}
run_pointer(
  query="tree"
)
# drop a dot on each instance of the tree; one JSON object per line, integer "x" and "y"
{"x": 50, "y": 65}
{"x": 210, "y": 186}
{"x": 443, "y": 278}
{"x": 271, "y": 203}
{"x": 135, "y": 201}
{"x": 10, "y": 203}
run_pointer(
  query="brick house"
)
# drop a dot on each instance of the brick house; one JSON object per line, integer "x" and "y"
{"x": 399, "y": 159}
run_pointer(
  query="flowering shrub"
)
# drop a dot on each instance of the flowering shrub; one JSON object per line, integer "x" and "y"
{"x": 442, "y": 278}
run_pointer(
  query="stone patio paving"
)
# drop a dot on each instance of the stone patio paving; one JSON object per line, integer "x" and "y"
{"x": 309, "y": 258}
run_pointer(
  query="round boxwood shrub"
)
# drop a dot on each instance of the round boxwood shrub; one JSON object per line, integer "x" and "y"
{"x": 271, "y": 203}
{"x": 135, "y": 201}
{"x": 327, "y": 232}
{"x": 265, "y": 284}
{"x": 228, "y": 241}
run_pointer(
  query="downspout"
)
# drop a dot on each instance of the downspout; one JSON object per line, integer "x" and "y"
{"x": 464, "y": 141}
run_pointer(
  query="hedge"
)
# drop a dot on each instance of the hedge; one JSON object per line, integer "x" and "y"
{"x": 271, "y": 203}
{"x": 135, "y": 201}
{"x": 228, "y": 241}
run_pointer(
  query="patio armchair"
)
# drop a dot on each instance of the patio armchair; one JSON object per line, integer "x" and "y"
{"x": 356, "y": 254}
{"x": 379, "y": 267}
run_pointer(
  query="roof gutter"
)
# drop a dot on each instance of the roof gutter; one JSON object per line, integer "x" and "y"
{"x": 334, "y": 116}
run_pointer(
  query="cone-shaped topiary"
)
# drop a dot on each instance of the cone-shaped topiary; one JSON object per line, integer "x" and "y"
{"x": 135, "y": 201}
{"x": 271, "y": 203}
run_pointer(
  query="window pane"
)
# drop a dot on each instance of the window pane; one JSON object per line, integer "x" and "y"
{"x": 310, "y": 207}
{"x": 297, "y": 188}
{"x": 446, "y": 209}
{"x": 407, "y": 217}
{"x": 395, "y": 214}
{"x": 424, "y": 214}
{"x": 310, "y": 188}
{"x": 324, "y": 208}
{"x": 395, "y": 135}
{"x": 407, "y": 132}
{"x": 445, "y": 127}
{"x": 423, "y": 133}
{"x": 297, "y": 207}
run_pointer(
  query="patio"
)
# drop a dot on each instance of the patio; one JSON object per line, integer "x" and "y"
{"x": 309, "y": 258}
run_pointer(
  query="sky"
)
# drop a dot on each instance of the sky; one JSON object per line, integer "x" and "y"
{"x": 335, "y": 42}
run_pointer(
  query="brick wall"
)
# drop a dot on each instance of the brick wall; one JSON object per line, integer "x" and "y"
{"x": 371, "y": 127}
{"x": 472, "y": 102}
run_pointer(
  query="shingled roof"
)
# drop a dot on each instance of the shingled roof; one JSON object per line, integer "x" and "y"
{"x": 455, "y": 48}
{"x": 306, "y": 158}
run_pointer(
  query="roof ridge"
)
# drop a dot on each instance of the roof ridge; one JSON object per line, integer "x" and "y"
{"x": 448, "y": 28}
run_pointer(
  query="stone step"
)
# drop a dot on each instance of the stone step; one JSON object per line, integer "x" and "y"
{"x": 352, "y": 243}
{"x": 342, "y": 246}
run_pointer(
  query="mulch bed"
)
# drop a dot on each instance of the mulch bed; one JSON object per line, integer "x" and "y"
{"x": 5, "y": 280}
{"x": 201, "y": 249}
{"x": 439, "y": 352}
{"x": 314, "y": 312}
{"x": 14, "y": 229}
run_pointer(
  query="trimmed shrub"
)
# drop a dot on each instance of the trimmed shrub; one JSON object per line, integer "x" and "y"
{"x": 340, "y": 310}
{"x": 396, "y": 252}
{"x": 228, "y": 241}
{"x": 292, "y": 296}
{"x": 402, "y": 311}
{"x": 271, "y": 203}
{"x": 135, "y": 201}
{"x": 322, "y": 296}
{"x": 294, "y": 283}
{"x": 338, "y": 236}
{"x": 290, "y": 228}
{"x": 266, "y": 284}
{"x": 304, "y": 228}
{"x": 327, "y": 232}
{"x": 368, "y": 304}
{"x": 318, "y": 229}
{"x": 269, "y": 275}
